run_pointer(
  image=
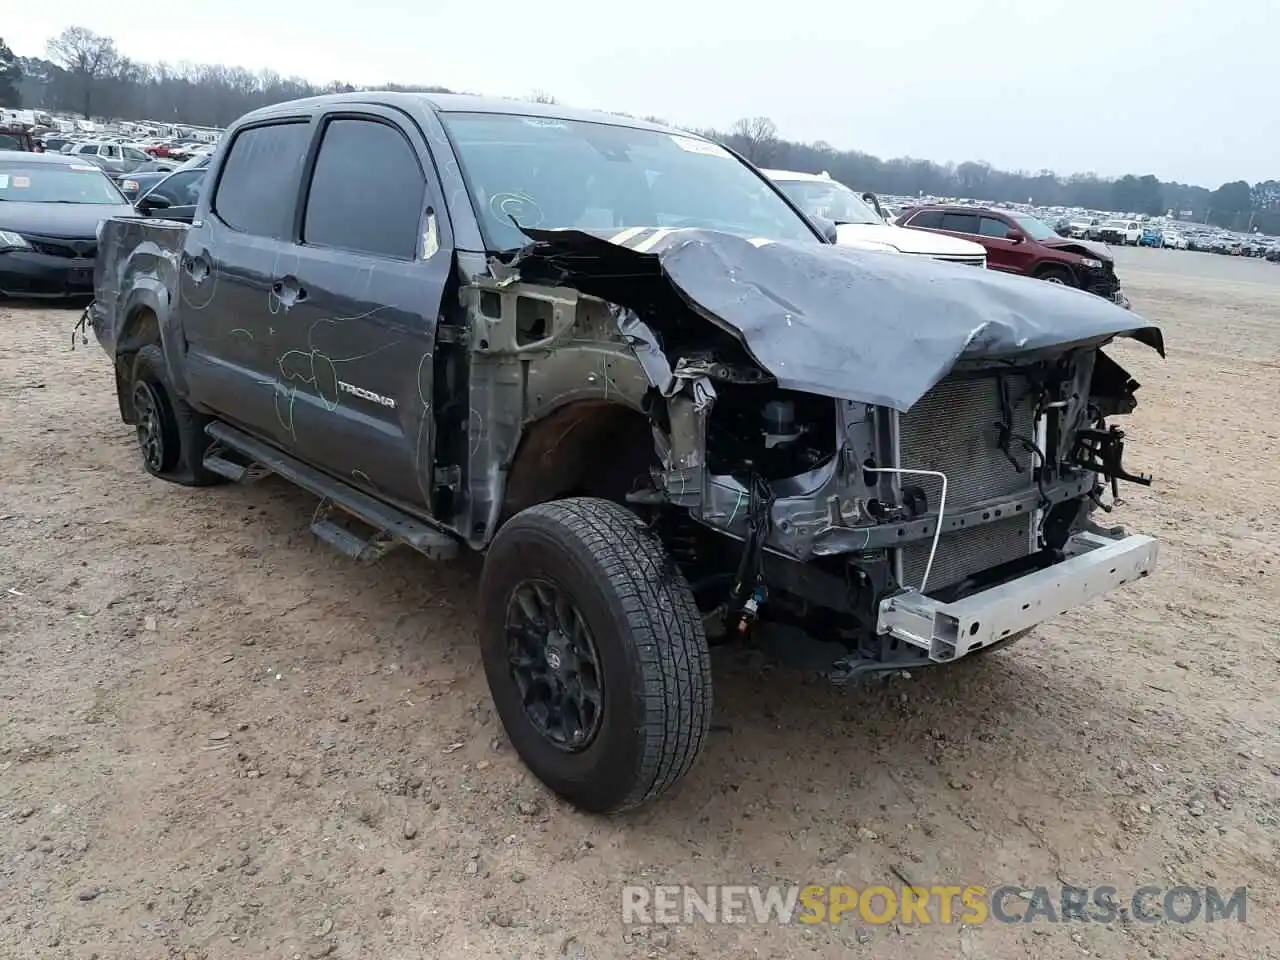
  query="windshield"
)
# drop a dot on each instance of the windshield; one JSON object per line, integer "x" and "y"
{"x": 551, "y": 173}
{"x": 1035, "y": 229}
{"x": 56, "y": 183}
{"x": 1114, "y": 224}
{"x": 830, "y": 199}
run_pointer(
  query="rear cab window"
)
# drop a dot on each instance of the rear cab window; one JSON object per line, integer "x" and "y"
{"x": 257, "y": 188}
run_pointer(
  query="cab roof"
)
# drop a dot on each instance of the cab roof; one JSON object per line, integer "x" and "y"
{"x": 463, "y": 103}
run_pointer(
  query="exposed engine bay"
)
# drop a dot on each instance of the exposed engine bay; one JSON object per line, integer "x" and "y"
{"x": 812, "y": 465}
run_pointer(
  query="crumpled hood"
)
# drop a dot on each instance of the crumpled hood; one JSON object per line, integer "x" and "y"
{"x": 907, "y": 241}
{"x": 875, "y": 328}
{"x": 1098, "y": 249}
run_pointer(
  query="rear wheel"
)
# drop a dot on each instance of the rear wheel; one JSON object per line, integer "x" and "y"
{"x": 594, "y": 652}
{"x": 171, "y": 437}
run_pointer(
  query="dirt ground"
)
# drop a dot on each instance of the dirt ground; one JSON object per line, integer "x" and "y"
{"x": 219, "y": 740}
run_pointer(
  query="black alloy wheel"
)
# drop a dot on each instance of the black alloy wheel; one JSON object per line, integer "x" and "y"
{"x": 149, "y": 411}
{"x": 595, "y": 653}
{"x": 553, "y": 661}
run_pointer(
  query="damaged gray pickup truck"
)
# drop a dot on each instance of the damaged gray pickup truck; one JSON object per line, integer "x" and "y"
{"x": 615, "y": 359}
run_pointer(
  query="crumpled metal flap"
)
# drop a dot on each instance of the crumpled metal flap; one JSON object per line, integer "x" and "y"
{"x": 869, "y": 327}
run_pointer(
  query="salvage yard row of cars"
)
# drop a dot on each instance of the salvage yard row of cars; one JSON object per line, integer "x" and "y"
{"x": 1173, "y": 234}
{"x": 437, "y": 322}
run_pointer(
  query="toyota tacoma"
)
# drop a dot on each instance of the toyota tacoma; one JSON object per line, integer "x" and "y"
{"x": 618, "y": 361}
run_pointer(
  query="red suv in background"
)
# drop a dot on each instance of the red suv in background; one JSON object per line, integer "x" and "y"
{"x": 1017, "y": 243}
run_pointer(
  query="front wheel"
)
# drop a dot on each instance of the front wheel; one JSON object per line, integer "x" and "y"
{"x": 1058, "y": 275}
{"x": 594, "y": 652}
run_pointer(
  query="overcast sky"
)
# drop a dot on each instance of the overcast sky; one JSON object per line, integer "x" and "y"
{"x": 1184, "y": 89}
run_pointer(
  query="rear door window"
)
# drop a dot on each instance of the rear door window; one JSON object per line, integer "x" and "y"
{"x": 367, "y": 191}
{"x": 258, "y": 186}
{"x": 960, "y": 222}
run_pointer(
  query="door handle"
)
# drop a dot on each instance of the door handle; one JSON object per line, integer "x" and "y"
{"x": 288, "y": 291}
{"x": 197, "y": 268}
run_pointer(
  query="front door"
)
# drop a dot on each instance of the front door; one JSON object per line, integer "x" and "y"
{"x": 358, "y": 301}
{"x": 1011, "y": 256}
{"x": 232, "y": 322}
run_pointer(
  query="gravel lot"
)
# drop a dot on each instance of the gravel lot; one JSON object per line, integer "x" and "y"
{"x": 219, "y": 740}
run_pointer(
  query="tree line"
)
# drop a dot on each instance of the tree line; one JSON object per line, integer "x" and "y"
{"x": 85, "y": 73}
{"x": 1235, "y": 205}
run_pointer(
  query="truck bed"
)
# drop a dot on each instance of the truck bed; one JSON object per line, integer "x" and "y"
{"x": 138, "y": 265}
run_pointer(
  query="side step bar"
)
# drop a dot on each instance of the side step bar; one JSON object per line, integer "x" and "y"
{"x": 393, "y": 526}
{"x": 222, "y": 460}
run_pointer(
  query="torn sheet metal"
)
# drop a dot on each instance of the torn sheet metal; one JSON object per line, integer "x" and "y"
{"x": 860, "y": 326}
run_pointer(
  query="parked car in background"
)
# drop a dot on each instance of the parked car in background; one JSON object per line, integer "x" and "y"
{"x": 1174, "y": 240}
{"x": 54, "y": 143}
{"x": 134, "y": 185}
{"x": 1225, "y": 244}
{"x": 175, "y": 197}
{"x": 1079, "y": 228}
{"x": 15, "y": 138}
{"x": 118, "y": 159}
{"x": 1120, "y": 232}
{"x": 50, "y": 209}
{"x": 137, "y": 185}
{"x": 1152, "y": 236}
{"x": 859, "y": 225}
{"x": 1017, "y": 243}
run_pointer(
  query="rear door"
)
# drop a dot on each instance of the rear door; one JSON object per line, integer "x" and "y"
{"x": 234, "y": 324}
{"x": 359, "y": 300}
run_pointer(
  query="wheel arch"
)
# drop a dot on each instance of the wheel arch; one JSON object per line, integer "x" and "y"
{"x": 1055, "y": 266}
{"x": 141, "y": 327}
{"x": 584, "y": 447}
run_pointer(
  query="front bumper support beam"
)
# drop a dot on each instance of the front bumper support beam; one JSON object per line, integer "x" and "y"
{"x": 1094, "y": 565}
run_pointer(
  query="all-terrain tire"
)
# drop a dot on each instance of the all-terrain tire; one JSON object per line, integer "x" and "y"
{"x": 655, "y": 667}
{"x": 178, "y": 430}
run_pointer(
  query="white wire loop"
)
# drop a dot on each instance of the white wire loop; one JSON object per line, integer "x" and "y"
{"x": 942, "y": 509}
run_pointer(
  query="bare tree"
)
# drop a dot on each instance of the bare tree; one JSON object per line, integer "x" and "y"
{"x": 10, "y": 77}
{"x": 757, "y": 138}
{"x": 86, "y": 56}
